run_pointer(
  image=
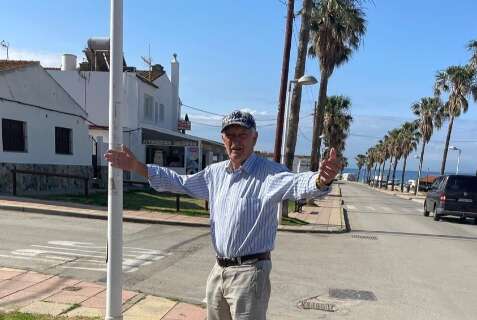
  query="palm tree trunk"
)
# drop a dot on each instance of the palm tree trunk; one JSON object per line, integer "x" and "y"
{"x": 381, "y": 174}
{"x": 374, "y": 175}
{"x": 359, "y": 171}
{"x": 296, "y": 96}
{"x": 318, "y": 122}
{"x": 403, "y": 172}
{"x": 421, "y": 161}
{"x": 444, "y": 156}
{"x": 396, "y": 160}
{"x": 389, "y": 172}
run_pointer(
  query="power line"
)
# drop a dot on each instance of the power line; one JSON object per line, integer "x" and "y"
{"x": 202, "y": 110}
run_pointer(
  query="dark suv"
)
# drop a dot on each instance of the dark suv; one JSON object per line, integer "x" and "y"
{"x": 452, "y": 195}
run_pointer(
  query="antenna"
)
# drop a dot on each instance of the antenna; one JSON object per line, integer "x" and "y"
{"x": 6, "y": 45}
{"x": 148, "y": 61}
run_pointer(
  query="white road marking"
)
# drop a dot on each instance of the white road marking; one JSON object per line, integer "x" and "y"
{"x": 85, "y": 255}
{"x": 351, "y": 207}
{"x": 370, "y": 208}
{"x": 387, "y": 209}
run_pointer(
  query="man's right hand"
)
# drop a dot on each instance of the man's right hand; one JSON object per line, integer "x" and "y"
{"x": 124, "y": 159}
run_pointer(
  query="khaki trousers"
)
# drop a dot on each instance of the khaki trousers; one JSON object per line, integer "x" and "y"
{"x": 239, "y": 292}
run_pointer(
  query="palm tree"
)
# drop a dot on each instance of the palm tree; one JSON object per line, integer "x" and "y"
{"x": 397, "y": 153}
{"x": 429, "y": 111}
{"x": 409, "y": 137}
{"x": 391, "y": 146}
{"x": 459, "y": 82}
{"x": 360, "y": 161}
{"x": 472, "y": 46}
{"x": 337, "y": 122}
{"x": 337, "y": 27}
{"x": 290, "y": 139}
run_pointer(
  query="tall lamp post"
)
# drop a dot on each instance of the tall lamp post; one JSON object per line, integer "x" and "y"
{"x": 302, "y": 81}
{"x": 115, "y": 175}
{"x": 458, "y": 157}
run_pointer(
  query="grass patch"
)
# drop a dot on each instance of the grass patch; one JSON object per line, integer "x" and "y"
{"x": 288, "y": 221}
{"x": 141, "y": 200}
{"x": 28, "y": 316}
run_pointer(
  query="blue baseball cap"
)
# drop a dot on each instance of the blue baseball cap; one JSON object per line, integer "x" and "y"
{"x": 240, "y": 118}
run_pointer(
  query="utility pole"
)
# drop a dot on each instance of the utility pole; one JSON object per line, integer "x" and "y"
{"x": 115, "y": 180}
{"x": 284, "y": 81}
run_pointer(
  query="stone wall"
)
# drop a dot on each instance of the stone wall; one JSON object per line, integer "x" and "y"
{"x": 28, "y": 184}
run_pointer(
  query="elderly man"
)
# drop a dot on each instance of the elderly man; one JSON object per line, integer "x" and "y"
{"x": 244, "y": 193}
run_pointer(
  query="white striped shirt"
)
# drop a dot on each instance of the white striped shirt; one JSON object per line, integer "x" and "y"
{"x": 243, "y": 203}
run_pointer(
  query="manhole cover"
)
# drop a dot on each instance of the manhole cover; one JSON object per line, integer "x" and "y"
{"x": 350, "y": 294}
{"x": 71, "y": 288}
{"x": 358, "y": 236}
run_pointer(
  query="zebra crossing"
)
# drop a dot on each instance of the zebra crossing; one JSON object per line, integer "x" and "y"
{"x": 381, "y": 209}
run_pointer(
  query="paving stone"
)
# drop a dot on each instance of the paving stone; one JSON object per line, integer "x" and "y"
{"x": 85, "y": 312}
{"x": 7, "y": 273}
{"x": 149, "y": 308}
{"x": 49, "y": 308}
{"x": 66, "y": 297}
{"x": 33, "y": 277}
{"x": 185, "y": 311}
{"x": 98, "y": 302}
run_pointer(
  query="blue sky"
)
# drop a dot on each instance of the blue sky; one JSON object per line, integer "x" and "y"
{"x": 231, "y": 51}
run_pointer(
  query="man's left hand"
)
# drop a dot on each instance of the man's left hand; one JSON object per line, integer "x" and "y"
{"x": 329, "y": 168}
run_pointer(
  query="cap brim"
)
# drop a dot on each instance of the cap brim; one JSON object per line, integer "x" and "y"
{"x": 238, "y": 123}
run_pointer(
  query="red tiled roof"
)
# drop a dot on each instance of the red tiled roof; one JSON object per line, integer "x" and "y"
{"x": 427, "y": 179}
{"x": 14, "y": 64}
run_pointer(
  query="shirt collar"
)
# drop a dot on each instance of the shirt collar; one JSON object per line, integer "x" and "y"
{"x": 247, "y": 166}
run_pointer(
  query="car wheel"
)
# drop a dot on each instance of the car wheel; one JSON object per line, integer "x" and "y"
{"x": 426, "y": 212}
{"x": 436, "y": 216}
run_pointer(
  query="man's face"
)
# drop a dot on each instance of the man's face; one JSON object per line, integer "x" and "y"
{"x": 239, "y": 143}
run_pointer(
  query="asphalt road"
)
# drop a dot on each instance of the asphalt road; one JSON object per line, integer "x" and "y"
{"x": 395, "y": 264}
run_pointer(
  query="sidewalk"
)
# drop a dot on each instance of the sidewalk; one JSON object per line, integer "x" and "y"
{"x": 327, "y": 214}
{"x": 328, "y": 217}
{"x": 32, "y": 292}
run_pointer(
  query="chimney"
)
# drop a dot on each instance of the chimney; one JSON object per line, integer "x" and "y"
{"x": 68, "y": 62}
{"x": 175, "y": 85}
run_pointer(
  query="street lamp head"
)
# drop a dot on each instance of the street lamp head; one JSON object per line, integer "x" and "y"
{"x": 306, "y": 80}
{"x": 452, "y": 148}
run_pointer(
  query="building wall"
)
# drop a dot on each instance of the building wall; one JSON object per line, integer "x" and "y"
{"x": 35, "y": 86}
{"x": 91, "y": 91}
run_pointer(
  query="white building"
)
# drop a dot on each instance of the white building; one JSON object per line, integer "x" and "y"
{"x": 42, "y": 129}
{"x": 150, "y": 112}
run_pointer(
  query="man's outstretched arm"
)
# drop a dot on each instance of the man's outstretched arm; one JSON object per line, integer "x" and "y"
{"x": 160, "y": 178}
{"x": 125, "y": 159}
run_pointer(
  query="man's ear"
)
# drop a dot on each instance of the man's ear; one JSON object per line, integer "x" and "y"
{"x": 255, "y": 138}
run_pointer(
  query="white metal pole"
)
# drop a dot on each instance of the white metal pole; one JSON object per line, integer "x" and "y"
{"x": 115, "y": 180}
{"x": 284, "y": 141}
{"x": 458, "y": 161}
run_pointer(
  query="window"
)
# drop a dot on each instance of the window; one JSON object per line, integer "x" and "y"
{"x": 63, "y": 140}
{"x": 148, "y": 108}
{"x": 156, "y": 112}
{"x": 161, "y": 112}
{"x": 172, "y": 157}
{"x": 14, "y": 135}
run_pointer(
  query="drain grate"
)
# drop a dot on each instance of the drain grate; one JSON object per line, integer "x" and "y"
{"x": 350, "y": 294}
{"x": 358, "y": 236}
{"x": 312, "y": 303}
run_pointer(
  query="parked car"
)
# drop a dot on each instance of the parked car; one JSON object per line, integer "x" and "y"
{"x": 452, "y": 195}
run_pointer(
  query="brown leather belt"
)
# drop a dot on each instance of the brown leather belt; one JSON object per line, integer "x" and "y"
{"x": 229, "y": 262}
